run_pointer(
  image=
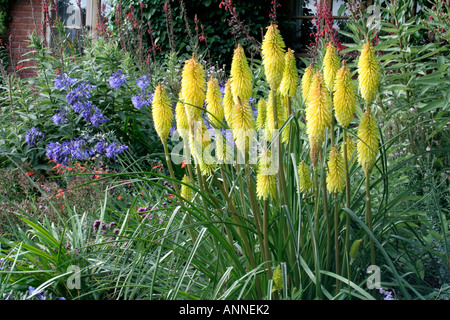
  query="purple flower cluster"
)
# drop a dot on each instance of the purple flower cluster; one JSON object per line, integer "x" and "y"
{"x": 117, "y": 79}
{"x": 63, "y": 81}
{"x": 65, "y": 152}
{"x": 78, "y": 99}
{"x": 60, "y": 117}
{"x": 81, "y": 149}
{"x": 97, "y": 225}
{"x": 33, "y": 136}
{"x": 143, "y": 98}
{"x": 111, "y": 150}
{"x": 41, "y": 294}
{"x": 387, "y": 294}
{"x": 144, "y": 212}
{"x": 143, "y": 82}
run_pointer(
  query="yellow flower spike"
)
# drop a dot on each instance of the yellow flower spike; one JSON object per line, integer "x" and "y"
{"x": 228, "y": 104}
{"x": 331, "y": 65}
{"x": 336, "y": 175}
{"x": 286, "y": 130}
{"x": 200, "y": 145}
{"x": 266, "y": 177}
{"x": 304, "y": 178}
{"x": 208, "y": 163}
{"x": 318, "y": 113}
{"x": 344, "y": 98}
{"x": 277, "y": 279}
{"x": 186, "y": 191}
{"x": 181, "y": 119}
{"x": 368, "y": 141}
{"x": 162, "y": 113}
{"x": 224, "y": 150}
{"x": 261, "y": 118}
{"x": 368, "y": 73}
{"x": 351, "y": 146}
{"x": 269, "y": 132}
{"x": 306, "y": 81}
{"x": 354, "y": 250}
{"x": 241, "y": 76}
{"x": 272, "y": 50}
{"x": 289, "y": 82}
{"x": 193, "y": 87}
{"x": 214, "y": 103}
{"x": 243, "y": 126}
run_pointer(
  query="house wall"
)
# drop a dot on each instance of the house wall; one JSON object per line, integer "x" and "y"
{"x": 26, "y": 18}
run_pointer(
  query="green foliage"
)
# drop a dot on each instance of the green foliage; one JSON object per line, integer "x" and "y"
{"x": 221, "y": 36}
{"x": 33, "y": 102}
{"x": 4, "y": 4}
{"x": 224, "y": 243}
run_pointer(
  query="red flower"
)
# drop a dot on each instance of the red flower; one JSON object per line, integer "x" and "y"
{"x": 30, "y": 173}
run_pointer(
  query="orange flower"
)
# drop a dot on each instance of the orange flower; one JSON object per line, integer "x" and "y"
{"x": 183, "y": 164}
{"x": 30, "y": 173}
{"x": 97, "y": 176}
{"x": 60, "y": 193}
{"x": 119, "y": 198}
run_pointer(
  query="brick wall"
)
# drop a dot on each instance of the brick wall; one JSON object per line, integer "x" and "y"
{"x": 26, "y": 18}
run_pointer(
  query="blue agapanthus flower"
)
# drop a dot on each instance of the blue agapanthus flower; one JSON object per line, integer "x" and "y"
{"x": 60, "y": 117}
{"x": 143, "y": 82}
{"x": 113, "y": 149}
{"x": 79, "y": 95}
{"x": 387, "y": 294}
{"x": 144, "y": 98}
{"x": 65, "y": 152}
{"x": 39, "y": 295}
{"x": 82, "y": 149}
{"x": 33, "y": 136}
{"x": 117, "y": 79}
{"x": 62, "y": 82}
{"x": 139, "y": 101}
{"x": 97, "y": 118}
{"x": 78, "y": 99}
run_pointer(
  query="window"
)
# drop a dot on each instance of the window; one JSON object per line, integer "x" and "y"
{"x": 303, "y": 13}
{"x": 76, "y": 15}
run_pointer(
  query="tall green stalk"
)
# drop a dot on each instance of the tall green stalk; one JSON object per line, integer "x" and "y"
{"x": 336, "y": 239}
{"x": 347, "y": 204}
{"x": 325, "y": 209}
{"x": 169, "y": 165}
{"x": 369, "y": 218}
{"x": 281, "y": 178}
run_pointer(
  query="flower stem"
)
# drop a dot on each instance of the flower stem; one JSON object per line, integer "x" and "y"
{"x": 336, "y": 240}
{"x": 347, "y": 203}
{"x": 369, "y": 218}
{"x": 325, "y": 209}
{"x": 169, "y": 165}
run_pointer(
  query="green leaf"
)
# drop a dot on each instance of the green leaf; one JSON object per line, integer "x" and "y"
{"x": 420, "y": 269}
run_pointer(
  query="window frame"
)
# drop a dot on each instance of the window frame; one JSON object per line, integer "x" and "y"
{"x": 91, "y": 19}
{"x": 303, "y": 52}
